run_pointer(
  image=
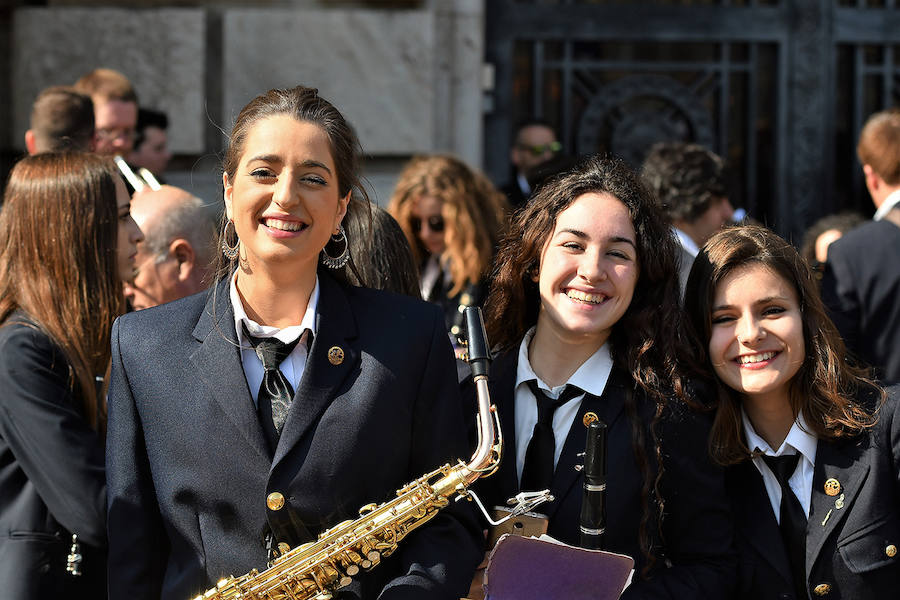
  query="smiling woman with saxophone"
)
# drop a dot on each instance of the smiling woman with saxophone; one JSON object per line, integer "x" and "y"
{"x": 584, "y": 311}
{"x": 67, "y": 241}
{"x": 215, "y": 463}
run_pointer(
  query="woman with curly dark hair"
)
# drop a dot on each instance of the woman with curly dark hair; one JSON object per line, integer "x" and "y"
{"x": 812, "y": 474}
{"x": 584, "y": 313}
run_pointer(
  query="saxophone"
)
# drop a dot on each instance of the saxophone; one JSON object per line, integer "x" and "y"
{"x": 316, "y": 569}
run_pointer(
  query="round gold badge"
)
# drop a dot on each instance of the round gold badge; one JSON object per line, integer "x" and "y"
{"x": 589, "y": 417}
{"x": 832, "y": 487}
{"x": 335, "y": 355}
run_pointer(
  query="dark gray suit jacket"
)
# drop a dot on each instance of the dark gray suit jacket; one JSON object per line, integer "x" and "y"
{"x": 52, "y": 482}
{"x": 697, "y": 526}
{"x": 861, "y": 287}
{"x": 189, "y": 469}
{"x": 847, "y": 548}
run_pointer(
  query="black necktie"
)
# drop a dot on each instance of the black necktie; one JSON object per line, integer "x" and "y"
{"x": 275, "y": 391}
{"x": 537, "y": 472}
{"x": 792, "y": 519}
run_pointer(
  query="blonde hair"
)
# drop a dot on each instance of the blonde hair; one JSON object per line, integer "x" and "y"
{"x": 474, "y": 214}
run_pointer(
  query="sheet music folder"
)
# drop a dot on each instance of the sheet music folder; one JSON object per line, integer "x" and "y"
{"x": 526, "y": 568}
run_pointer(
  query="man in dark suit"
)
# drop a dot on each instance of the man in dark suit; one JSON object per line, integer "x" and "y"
{"x": 689, "y": 182}
{"x": 535, "y": 143}
{"x": 194, "y": 488}
{"x": 861, "y": 283}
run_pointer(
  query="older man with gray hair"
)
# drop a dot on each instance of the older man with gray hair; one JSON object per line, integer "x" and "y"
{"x": 175, "y": 258}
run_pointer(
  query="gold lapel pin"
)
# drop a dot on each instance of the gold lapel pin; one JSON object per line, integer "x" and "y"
{"x": 832, "y": 487}
{"x": 589, "y": 417}
{"x": 335, "y": 355}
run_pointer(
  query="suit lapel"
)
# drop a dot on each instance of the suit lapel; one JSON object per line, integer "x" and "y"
{"x": 503, "y": 384}
{"x": 754, "y": 516}
{"x": 833, "y": 461}
{"x": 217, "y": 363}
{"x": 608, "y": 408}
{"x": 335, "y": 328}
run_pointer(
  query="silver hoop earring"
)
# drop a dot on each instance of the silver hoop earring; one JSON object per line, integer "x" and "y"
{"x": 230, "y": 252}
{"x": 336, "y": 262}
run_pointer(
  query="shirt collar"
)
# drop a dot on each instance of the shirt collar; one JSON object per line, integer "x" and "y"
{"x": 687, "y": 243}
{"x": 889, "y": 203}
{"x": 798, "y": 439}
{"x": 286, "y": 335}
{"x": 522, "y": 182}
{"x": 591, "y": 376}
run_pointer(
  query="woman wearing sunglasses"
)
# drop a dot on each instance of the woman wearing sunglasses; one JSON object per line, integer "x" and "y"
{"x": 453, "y": 218}
{"x": 812, "y": 475}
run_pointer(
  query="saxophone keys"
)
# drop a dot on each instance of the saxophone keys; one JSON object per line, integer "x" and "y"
{"x": 367, "y": 509}
{"x": 345, "y": 581}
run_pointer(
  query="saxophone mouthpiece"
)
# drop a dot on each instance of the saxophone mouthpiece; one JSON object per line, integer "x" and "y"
{"x": 479, "y": 353}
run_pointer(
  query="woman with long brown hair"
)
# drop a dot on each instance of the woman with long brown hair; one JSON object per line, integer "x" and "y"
{"x": 453, "y": 217}
{"x": 67, "y": 241}
{"x": 584, "y": 312}
{"x": 813, "y": 463}
{"x": 246, "y": 421}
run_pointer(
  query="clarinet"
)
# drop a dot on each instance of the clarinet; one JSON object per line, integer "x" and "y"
{"x": 593, "y": 500}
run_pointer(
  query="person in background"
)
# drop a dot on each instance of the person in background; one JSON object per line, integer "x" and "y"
{"x": 689, "y": 182}
{"x": 534, "y": 143}
{"x": 585, "y": 316}
{"x": 316, "y": 397}
{"x": 151, "y": 142}
{"x": 115, "y": 110}
{"x": 66, "y": 243}
{"x": 175, "y": 259}
{"x": 862, "y": 275}
{"x": 453, "y": 218}
{"x": 821, "y": 234}
{"x": 61, "y": 119}
{"x": 812, "y": 454}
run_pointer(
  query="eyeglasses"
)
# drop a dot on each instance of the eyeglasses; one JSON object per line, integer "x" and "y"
{"x": 115, "y": 133}
{"x": 435, "y": 223}
{"x": 542, "y": 149}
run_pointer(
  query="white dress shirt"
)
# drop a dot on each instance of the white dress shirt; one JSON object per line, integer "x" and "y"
{"x": 687, "y": 243}
{"x": 798, "y": 440}
{"x": 293, "y": 366}
{"x": 591, "y": 377}
{"x": 889, "y": 203}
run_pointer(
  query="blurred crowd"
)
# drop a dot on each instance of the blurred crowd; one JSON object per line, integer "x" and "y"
{"x": 746, "y": 383}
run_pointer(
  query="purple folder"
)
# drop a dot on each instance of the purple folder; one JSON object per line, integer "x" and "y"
{"x": 524, "y": 568}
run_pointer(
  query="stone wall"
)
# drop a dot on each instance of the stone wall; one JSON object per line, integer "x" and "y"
{"x": 407, "y": 77}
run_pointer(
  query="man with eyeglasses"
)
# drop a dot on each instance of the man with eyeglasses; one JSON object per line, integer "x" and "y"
{"x": 115, "y": 110}
{"x": 535, "y": 143}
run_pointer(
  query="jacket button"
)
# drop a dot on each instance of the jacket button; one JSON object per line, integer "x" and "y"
{"x": 891, "y": 551}
{"x": 275, "y": 501}
{"x": 822, "y": 589}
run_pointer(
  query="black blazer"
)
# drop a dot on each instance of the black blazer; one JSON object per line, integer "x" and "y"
{"x": 189, "y": 469}
{"x": 861, "y": 286}
{"x": 697, "y": 526}
{"x": 52, "y": 482}
{"x": 849, "y": 552}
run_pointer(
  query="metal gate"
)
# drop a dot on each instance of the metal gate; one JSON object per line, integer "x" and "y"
{"x": 780, "y": 88}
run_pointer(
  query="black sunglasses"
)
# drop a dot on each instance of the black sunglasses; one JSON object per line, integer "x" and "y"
{"x": 435, "y": 223}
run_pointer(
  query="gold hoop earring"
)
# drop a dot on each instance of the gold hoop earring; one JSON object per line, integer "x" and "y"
{"x": 336, "y": 262}
{"x": 230, "y": 252}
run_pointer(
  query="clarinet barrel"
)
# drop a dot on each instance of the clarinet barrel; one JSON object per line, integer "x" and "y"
{"x": 593, "y": 503}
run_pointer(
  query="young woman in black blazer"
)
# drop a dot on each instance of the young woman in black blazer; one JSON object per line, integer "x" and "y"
{"x": 586, "y": 293}
{"x": 201, "y": 481}
{"x": 812, "y": 447}
{"x": 67, "y": 241}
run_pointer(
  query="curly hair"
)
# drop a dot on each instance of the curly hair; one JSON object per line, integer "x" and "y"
{"x": 474, "y": 214}
{"x": 645, "y": 342}
{"x": 825, "y": 386}
{"x": 687, "y": 179}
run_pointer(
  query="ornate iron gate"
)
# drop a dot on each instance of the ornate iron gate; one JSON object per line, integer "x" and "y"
{"x": 778, "y": 87}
